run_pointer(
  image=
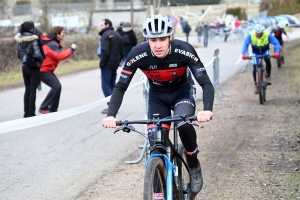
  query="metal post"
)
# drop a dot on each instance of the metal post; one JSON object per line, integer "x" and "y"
{"x": 216, "y": 82}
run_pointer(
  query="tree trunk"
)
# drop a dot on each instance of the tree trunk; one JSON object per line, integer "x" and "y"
{"x": 45, "y": 21}
{"x": 89, "y": 27}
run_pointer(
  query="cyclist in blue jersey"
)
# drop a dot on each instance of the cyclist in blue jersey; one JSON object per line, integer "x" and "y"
{"x": 260, "y": 40}
{"x": 165, "y": 61}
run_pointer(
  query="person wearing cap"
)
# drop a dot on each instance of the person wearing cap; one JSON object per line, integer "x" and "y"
{"x": 119, "y": 29}
{"x": 260, "y": 40}
{"x": 165, "y": 61}
{"x": 29, "y": 42}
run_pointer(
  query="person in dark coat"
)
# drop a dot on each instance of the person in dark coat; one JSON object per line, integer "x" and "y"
{"x": 129, "y": 39}
{"x": 187, "y": 30}
{"x": 119, "y": 29}
{"x": 28, "y": 42}
{"x": 111, "y": 55}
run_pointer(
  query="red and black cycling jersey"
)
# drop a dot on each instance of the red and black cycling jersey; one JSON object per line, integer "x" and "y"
{"x": 166, "y": 74}
{"x": 277, "y": 31}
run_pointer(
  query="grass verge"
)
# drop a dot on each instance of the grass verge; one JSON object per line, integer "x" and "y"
{"x": 15, "y": 79}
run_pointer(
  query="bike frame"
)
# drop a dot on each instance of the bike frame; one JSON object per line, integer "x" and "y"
{"x": 170, "y": 168}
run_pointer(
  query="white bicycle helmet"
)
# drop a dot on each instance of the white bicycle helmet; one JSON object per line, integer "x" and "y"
{"x": 157, "y": 26}
{"x": 258, "y": 28}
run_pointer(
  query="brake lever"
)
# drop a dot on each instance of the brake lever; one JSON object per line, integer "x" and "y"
{"x": 125, "y": 128}
{"x": 117, "y": 130}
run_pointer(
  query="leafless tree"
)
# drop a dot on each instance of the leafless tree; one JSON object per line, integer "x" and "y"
{"x": 44, "y": 16}
{"x": 155, "y": 4}
{"x": 90, "y": 24}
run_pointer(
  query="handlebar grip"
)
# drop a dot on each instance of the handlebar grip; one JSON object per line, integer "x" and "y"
{"x": 118, "y": 123}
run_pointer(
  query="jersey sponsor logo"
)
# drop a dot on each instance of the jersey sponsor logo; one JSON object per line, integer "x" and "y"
{"x": 200, "y": 69}
{"x": 123, "y": 76}
{"x": 165, "y": 75}
{"x": 136, "y": 58}
{"x": 173, "y": 65}
{"x": 186, "y": 53}
{"x": 153, "y": 67}
{"x": 185, "y": 101}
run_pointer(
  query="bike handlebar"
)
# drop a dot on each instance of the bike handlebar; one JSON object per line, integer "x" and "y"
{"x": 184, "y": 117}
{"x": 259, "y": 56}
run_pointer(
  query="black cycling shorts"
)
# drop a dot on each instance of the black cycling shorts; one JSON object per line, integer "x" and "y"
{"x": 181, "y": 101}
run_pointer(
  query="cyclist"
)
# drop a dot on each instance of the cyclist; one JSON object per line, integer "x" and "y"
{"x": 164, "y": 61}
{"x": 260, "y": 40}
{"x": 278, "y": 31}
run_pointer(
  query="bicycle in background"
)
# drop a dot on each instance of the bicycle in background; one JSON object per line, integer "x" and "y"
{"x": 167, "y": 174}
{"x": 260, "y": 75}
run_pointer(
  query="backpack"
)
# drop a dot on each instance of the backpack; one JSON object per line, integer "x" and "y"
{"x": 126, "y": 39}
{"x": 29, "y": 59}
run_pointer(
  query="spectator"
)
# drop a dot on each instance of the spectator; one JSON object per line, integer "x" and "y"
{"x": 54, "y": 54}
{"x": 119, "y": 29}
{"x": 28, "y": 43}
{"x": 227, "y": 31}
{"x": 39, "y": 33}
{"x": 111, "y": 56}
{"x": 99, "y": 46}
{"x": 129, "y": 39}
{"x": 199, "y": 31}
{"x": 182, "y": 23}
{"x": 187, "y": 30}
{"x": 205, "y": 31}
{"x": 237, "y": 23}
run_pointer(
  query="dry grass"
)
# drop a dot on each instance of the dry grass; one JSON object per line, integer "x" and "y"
{"x": 15, "y": 78}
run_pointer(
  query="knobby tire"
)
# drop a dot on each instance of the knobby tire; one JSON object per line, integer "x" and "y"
{"x": 259, "y": 85}
{"x": 155, "y": 179}
{"x": 279, "y": 60}
{"x": 184, "y": 176}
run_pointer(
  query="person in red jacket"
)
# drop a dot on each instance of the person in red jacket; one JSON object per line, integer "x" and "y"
{"x": 54, "y": 54}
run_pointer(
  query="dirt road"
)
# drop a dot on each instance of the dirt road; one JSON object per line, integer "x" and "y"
{"x": 248, "y": 150}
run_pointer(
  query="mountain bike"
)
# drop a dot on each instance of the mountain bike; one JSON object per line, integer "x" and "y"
{"x": 260, "y": 76}
{"x": 167, "y": 175}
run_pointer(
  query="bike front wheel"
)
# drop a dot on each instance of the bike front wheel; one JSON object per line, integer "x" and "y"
{"x": 279, "y": 61}
{"x": 155, "y": 180}
{"x": 260, "y": 86}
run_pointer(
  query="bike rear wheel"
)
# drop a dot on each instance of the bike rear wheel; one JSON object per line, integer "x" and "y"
{"x": 184, "y": 177}
{"x": 155, "y": 180}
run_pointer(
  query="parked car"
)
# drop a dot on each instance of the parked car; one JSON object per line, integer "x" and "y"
{"x": 283, "y": 21}
{"x": 293, "y": 21}
{"x": 266, "y": 21}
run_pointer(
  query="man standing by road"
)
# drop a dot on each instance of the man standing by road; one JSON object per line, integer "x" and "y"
{"x": 111, "y": 55}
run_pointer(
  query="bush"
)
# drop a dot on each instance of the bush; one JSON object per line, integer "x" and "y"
{"x": 86, "y": 50}
{"x": 8, "y": 56}
{"x": 238, "y": 11}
